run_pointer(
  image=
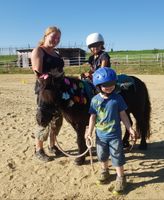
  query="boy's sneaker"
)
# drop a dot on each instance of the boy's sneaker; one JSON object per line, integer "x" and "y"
{"x": 104, "y": 176}
{"x": 120, "y": 184}
{"x": 41, "y": 155}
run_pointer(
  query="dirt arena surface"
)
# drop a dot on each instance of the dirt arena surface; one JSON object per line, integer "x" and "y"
{"x": 24, "y": 177}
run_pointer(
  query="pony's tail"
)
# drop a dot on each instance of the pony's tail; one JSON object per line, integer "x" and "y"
{"x": 147, "y": 112}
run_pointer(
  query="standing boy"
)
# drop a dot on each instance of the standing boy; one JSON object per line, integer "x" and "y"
{"x": 107, "y": 109}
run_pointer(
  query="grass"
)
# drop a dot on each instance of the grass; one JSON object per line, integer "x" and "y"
{"x": 119, "y": 69}
{"x": 76, "y": 70}
{"x": 4, "y": 58}
{"x": 138, "y": 63}
{"x": 15, "y": 70}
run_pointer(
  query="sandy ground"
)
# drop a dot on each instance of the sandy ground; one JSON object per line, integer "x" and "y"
{"x": 24, "y": 177}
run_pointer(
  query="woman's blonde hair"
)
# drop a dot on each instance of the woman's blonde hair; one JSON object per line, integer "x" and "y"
{"x": 49, "y": 30}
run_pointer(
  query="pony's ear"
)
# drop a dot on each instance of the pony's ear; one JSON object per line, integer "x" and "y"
{"x": 56, "y": 73}
{"x": 59, "y": 74}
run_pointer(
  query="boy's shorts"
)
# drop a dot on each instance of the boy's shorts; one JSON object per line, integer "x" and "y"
{"x": 110, "y": 147}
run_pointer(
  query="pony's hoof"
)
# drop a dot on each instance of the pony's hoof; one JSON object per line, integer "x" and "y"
{"x": 143, "y": 147}
{"x": 79, "y": 161}
{"x": 128, "y": 148}
{"x": 126, "y": 145}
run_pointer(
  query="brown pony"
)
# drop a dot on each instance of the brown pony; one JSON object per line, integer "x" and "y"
{"x": 72, "y": 96}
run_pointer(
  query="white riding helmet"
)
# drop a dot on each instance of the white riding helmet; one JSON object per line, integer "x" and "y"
{"x": 94, "y": 38}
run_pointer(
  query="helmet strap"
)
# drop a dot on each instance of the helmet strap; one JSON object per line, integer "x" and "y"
{"x": 104, "y": 93}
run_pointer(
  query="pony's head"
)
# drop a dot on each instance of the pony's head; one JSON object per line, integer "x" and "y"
{"x": 50, "y": 85}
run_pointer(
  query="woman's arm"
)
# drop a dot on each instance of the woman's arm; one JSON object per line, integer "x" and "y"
{"x": 37, "y": 61}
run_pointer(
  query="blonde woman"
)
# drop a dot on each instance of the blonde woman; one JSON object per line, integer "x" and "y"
{"x": 44, "y": 59}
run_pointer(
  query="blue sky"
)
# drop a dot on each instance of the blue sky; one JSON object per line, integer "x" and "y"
{"x": 125, "y": 24}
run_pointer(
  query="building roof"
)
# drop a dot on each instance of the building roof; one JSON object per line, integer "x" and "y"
{"x": 60, "y": 49}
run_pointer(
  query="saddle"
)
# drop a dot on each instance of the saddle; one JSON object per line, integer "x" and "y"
{"x": 124, "y": 82}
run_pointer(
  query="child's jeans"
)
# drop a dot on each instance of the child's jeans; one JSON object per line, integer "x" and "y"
{"x": 110, "y": 147}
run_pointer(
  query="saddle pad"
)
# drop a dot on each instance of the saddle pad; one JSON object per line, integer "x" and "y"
{"x": 89, "y": 89}
{"x": 124, "y": 82}
{"x": 123, "y": 78}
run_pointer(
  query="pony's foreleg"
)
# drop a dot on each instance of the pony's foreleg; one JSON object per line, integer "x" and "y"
{"x": 80, "y": 130}
{"x": 43, "y": 117}
{"x": 126, "y": 136}
{"x": 55, "y": 127}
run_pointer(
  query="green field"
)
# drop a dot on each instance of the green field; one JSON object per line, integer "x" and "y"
{"x": 128, "y": 62}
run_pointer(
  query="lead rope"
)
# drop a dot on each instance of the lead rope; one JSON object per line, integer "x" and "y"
{"x": 89, "y": 144}
{"x": 132, "y": 145}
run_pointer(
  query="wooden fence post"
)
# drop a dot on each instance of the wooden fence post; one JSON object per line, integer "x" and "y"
{"x": 161, "y": 60}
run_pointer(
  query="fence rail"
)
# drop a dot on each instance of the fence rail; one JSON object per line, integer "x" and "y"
{"x": 140, "y": 60}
